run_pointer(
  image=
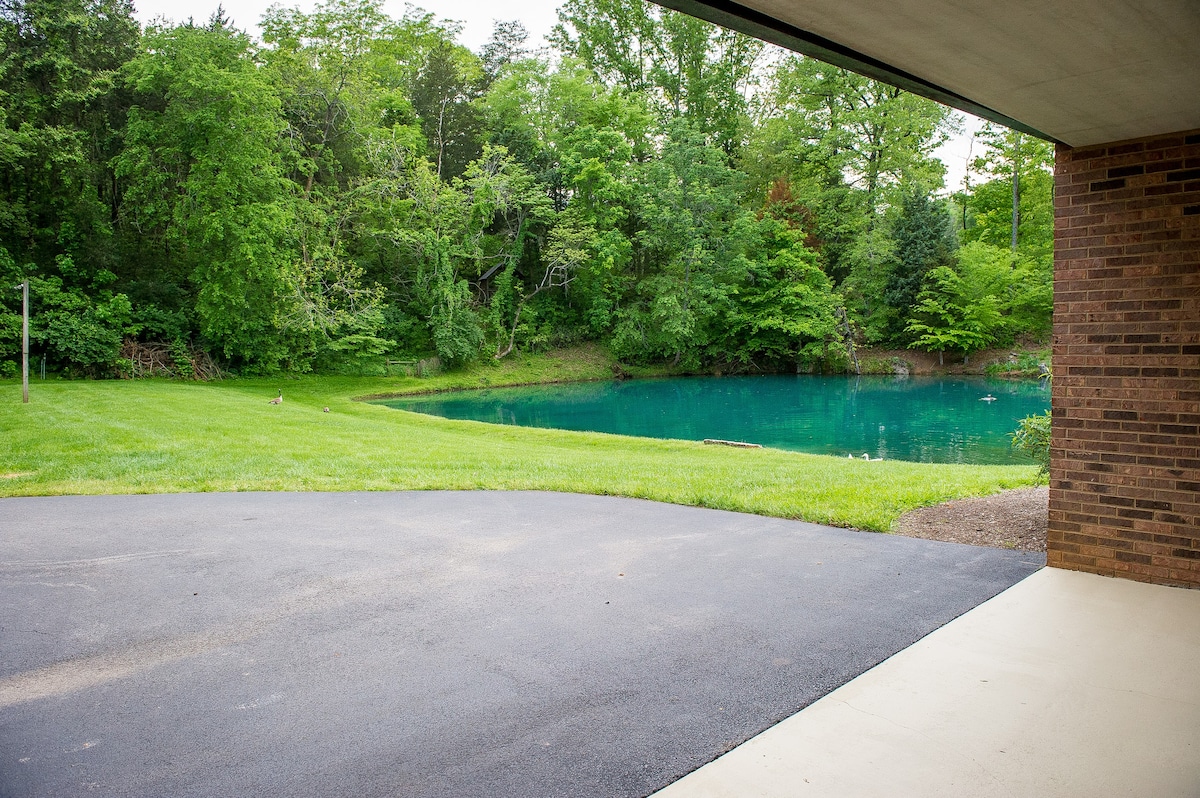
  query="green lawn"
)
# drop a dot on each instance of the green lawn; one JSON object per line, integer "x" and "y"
{"x": 158, "y": 436}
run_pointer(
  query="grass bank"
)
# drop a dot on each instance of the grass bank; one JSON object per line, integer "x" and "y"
{"x": 158, "y": 436}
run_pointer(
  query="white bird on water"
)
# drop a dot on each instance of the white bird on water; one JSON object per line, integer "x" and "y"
{"x": 988, "y": 398}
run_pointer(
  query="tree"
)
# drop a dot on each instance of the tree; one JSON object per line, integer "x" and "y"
{"x": 845, "y": 145}
{"x": 570, "y": 245}
{"x": 1014, "y": 212}
{"x": 688, "y": 252}
{"x": 335, "y": 72}
{"x": 1023, "y": 287}
{"x": 954, "y": 313}
{"x": 784, "y": 311}
{"x": 583, "y": 143}
{"x": 505, "y": 48}
{"x": 1022, "y": 165}
{"x": 59, "y": 127}
{"x": 323, "y": 62}
{"x": 923, "y": 243}
{"x": 616, "y": 39}
{"x": 984, "y": 298}
{"x": 878, "y": 135}
{"x": 443, "y": 97}
{"x": 78, "y": 331}
{"x": 686, "y": 67}
{"x": 205, "y": 181}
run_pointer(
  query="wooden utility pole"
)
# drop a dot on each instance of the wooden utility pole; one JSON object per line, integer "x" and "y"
{"x": 24, "y": 341}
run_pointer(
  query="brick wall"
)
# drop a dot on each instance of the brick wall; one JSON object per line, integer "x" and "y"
{"x": 1125, "y": 448}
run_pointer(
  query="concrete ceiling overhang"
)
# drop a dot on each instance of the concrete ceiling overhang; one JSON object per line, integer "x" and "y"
{"x": 1079, "y": 72}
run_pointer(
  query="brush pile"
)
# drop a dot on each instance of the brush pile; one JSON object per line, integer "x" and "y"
{"x": 156, "y": 359}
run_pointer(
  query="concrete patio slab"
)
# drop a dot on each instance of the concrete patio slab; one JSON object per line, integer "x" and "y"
{"x": 1066, "y": 684}
{"x": 432, "y": 645}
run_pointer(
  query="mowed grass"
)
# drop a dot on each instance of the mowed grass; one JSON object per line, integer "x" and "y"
{"x": 158, "y": 436}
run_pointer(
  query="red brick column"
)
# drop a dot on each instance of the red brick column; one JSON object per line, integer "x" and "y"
{"x": 1125, "y": 448}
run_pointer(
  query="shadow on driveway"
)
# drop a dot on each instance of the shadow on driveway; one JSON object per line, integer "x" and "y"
{"x": 432, "y": 643}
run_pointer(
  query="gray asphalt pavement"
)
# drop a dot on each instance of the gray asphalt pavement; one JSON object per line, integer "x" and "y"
{"x": 432, "y": 645}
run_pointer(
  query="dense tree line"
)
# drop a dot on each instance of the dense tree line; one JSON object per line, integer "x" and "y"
{"x": 355, "y": 186}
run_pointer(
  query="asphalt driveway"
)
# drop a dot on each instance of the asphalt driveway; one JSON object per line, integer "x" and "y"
{"x": 432, "y": 643}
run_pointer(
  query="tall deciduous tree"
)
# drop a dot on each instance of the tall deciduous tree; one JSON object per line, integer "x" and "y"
{"x": 689, "y": 68}
{"x": 1021, "y": 164}
{"x": 785, "y": 309}
{"x": 877, "y": 136}
{"x": 846, "y": 146}
{"x": 205, "y": 180}
{"x": 688, "y": 254}
{"x": 60, "y": 120}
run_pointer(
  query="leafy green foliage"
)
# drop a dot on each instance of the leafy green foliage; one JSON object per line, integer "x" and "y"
{"x": 785, "y": 312}
{"x": 357, "y": 186}
{"x": 60, "y": 118}
{"x": 443, "y": 95}
{"x": 954, "y": 312}
{"x": 1017, "y": 202}
{"x": 923, "y": 245}
{"x": 204, "y": 176}
{"x": 1033, "y": 438}
{"x": 686, "y": 68}
{"x": 75, "y": 330}
{"x": 984, "y": 299}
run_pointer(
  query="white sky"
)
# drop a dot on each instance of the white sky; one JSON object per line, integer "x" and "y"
{"x": 477, "y": 16}
{"x": 956, "y": 152}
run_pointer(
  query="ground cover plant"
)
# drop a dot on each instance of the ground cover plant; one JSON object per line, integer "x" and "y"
{"x": 153, "y": 436}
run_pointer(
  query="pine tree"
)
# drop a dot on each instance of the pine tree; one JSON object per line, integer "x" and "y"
{"x": 923, "y": 242}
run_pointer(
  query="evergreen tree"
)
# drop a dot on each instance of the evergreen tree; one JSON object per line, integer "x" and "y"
{"x": 923, "y": 242}
{"x": 443, "y": 97}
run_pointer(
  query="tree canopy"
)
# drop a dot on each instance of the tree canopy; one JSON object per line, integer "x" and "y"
{"x": 355, "y": 186}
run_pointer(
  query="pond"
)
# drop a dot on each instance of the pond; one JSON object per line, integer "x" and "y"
{"x": 923, "y": 419}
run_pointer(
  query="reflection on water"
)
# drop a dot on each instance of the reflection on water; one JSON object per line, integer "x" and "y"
{"x": 925, "y": 419}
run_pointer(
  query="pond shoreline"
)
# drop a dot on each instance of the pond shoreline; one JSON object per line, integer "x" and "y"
{"x": 914, "y": 418}
{"x": 875, "y": 362}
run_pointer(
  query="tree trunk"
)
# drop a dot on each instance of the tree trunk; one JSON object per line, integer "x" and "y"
{"x": 1016, "y": 193}
{"x": 848, "y": 339}
{"x": 441, "y": 135}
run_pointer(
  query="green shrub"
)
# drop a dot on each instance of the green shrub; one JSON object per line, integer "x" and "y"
{"x": 79, "y": 331}
{"x": 1022, "y": 364}
{"x": 1033, "y": 438}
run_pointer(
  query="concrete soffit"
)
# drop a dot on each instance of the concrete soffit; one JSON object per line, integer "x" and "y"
{"x": 1077, "y": 72}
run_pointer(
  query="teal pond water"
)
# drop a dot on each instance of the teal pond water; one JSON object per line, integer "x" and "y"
{"x": 923, "y": 419}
